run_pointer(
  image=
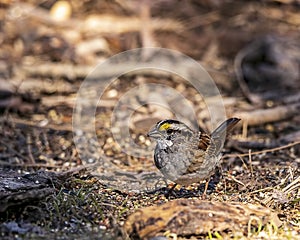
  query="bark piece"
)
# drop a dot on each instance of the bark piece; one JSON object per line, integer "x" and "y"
{"x": 17, "y": 189}
{"x": 188, "y": 217}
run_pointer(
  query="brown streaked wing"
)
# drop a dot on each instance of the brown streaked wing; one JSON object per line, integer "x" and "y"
{"x": 204, "y": 141}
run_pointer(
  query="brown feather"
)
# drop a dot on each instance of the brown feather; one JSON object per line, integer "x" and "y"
{"x": 204, "y": 141}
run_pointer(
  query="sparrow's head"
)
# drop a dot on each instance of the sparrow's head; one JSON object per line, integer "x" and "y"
{"x": 169, "y": 130}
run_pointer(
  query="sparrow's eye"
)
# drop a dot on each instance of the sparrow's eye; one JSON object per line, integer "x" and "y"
{"x": 169, "y": 131}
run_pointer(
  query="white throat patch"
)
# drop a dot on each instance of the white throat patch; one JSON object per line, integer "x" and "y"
{"x": 164, "y": 144}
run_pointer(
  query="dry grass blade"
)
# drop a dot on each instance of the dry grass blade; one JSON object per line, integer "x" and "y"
{"x": 282, "y": 195}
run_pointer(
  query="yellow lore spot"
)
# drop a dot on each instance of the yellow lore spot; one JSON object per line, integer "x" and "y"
{"x": 165, "y": 126}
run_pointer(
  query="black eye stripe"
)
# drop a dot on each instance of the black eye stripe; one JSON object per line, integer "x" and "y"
{"x": 171, "y": 131}
{"x": 175, "y": 127}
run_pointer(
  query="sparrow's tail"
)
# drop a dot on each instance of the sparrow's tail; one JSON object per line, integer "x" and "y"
{"x": 219, "y": 134}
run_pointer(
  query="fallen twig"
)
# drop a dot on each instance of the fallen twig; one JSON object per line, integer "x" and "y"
{"x": 264, "y": 151}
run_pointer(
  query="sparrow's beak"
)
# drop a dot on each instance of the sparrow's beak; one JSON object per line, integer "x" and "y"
{"x": 153, "y": 133}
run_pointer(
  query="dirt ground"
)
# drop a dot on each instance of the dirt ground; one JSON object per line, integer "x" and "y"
{"x": 66, "y": 176}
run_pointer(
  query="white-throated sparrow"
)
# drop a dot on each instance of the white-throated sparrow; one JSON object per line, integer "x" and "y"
{"x": 185, "y": 156}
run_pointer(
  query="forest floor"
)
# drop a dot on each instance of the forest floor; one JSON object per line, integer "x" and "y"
{"x": 64, "y": 176}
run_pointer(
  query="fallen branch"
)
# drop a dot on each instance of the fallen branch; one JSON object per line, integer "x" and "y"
{"x": 262, "y": 116}
{"x": 95, "y": 24}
